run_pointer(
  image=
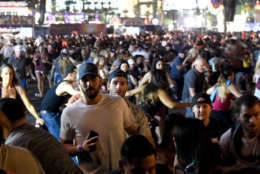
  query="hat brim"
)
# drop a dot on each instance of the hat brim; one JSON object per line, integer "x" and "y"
{"x": 85, "y": 74}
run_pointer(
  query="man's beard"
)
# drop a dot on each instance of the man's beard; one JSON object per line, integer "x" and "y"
{"x": 87, "y": 92}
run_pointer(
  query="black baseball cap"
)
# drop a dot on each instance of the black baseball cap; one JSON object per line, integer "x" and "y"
{"x": 204, "y": 98}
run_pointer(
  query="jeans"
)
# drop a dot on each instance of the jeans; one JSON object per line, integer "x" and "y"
{"x": 179, "y": 82}
{"x": 52, "y": 122}
{"x": 57, "y": 78}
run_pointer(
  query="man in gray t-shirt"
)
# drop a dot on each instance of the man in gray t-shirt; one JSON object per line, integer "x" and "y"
{"x": 107, "y": 116}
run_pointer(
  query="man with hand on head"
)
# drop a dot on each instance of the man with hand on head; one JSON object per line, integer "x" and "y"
{"x": 117, "y": 85}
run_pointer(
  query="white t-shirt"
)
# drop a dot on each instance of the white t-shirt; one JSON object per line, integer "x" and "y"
{"x": 109, "y": 118}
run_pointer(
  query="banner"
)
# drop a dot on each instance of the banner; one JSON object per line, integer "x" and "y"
{"x": 16, "y": 21}
{"x": 77, "y": 28}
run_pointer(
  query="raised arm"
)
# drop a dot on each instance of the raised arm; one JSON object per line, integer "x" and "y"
{"x": 211, "y": 89}
{"x": 28, "y": 104}
{"x": 146, "y": 79}
{"x": 137, "y": 90}
{"x": 133, "y": 80}
{"x": 66, "y": 87}
{"x": 170, "y": 80}
{"x": 233, "y": 89}
{"x": 168, "y": 102}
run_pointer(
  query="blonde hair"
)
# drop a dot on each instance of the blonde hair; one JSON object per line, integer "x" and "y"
{"x": 222, "y": 88}
{"x": 149, "y": 97}
{"x": 63, "y": 63}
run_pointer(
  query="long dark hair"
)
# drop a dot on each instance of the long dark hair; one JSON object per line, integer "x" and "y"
{"x": 159, "y": 76}
{"x": 15, "y": 80}
{"x": 158, "y": 79}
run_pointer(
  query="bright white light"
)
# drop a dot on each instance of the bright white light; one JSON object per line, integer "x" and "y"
{"x": 184, "y": 4}
{"x": 189, "y": 22}
{"x": 37, "y": 17}
{"x": 193, "y": 21}
{"x": 132, "y": 31}
{"x": 170, "y": 27}
{"x": 155, "y": 21}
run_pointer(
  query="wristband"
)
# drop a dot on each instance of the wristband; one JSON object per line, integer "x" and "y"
{"x": 80, "y": 148}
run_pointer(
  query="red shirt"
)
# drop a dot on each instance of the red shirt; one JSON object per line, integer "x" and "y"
{"x": 217, "y": 105}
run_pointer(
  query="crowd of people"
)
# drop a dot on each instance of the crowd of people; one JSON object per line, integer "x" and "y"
{"x": 173, "y": 102}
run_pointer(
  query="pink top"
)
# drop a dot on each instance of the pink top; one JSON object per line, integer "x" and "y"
{"x": 217, "y": 105}
{"x": 39, "y": 63}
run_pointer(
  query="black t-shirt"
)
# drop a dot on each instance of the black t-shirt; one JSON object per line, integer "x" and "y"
{"x": 51, "y": 102}
{"x": 215, "y": 128}
{"x": 160, "y": 169}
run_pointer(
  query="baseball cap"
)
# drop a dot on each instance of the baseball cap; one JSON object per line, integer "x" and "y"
{"x": 204, "y": 98}
{"x": 117, "y": 73}
{"x": 87, "y": 69}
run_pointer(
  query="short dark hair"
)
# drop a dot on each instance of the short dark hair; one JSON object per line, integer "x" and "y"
{"x": 12, "y": 108}
{"x": 123, "y": 62}
{"x": 136, "y": 146}
{"x": 117, "y": 73}
{"x": 247, "y": 100}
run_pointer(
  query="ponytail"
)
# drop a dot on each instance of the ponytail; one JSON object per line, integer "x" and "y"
{"x": 222, "y": 88}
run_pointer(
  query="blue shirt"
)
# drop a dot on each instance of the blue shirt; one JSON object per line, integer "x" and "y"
{"x": 175, "y": 73}
{"x": 89, "y": 61}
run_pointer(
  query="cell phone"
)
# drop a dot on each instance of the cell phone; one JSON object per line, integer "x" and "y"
{"x": 93, "y": 134}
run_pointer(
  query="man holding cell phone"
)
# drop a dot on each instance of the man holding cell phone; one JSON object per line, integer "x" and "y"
{"x": 97, "y": 123}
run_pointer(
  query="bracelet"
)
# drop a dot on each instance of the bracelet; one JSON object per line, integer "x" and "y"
{"x": 80, "y": 148}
